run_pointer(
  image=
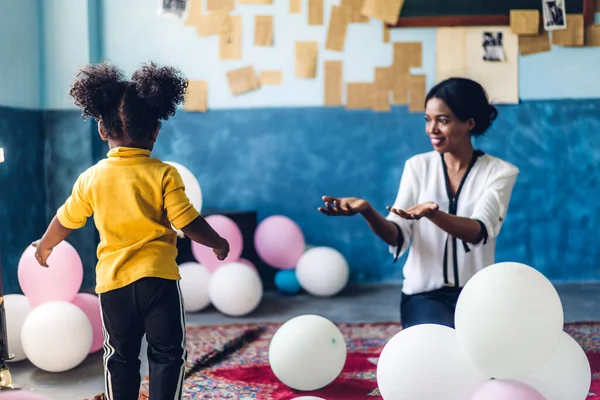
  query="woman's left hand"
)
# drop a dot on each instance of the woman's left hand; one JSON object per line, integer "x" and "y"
{"x": 416, "y": 212}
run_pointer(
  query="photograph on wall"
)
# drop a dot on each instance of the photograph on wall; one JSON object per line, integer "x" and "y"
{"x": 172, "y": 8}
{"x": 554, "y": 15}
{"x": 493, "y": 50}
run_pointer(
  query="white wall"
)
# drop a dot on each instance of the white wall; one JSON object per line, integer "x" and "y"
{"x": 20, "y": 54}
{"x": 66, "y": 48}
{"x": 44, "y": 42}
{"x": 133, "y": 33}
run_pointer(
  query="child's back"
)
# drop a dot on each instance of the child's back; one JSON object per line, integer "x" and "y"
{"x": 134, "y": 200}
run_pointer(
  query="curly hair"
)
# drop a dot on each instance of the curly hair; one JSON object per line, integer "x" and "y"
{"x": 132, "y": 108}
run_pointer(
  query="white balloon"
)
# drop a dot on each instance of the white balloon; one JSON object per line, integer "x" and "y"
{"x": 17, "y": 308}
{"x": 509, "y": 319}
{"x": 322, "y": 271}
{"x": 426, "y": 362}
{"x": 195, "y": 279}
{"x": 192, "y": 188}
{"x": 308, "y": 398}
{"x": 235, "y": 289}
{"x": 566, "y": 375}
{"x": 57, "y": 336}
{"x": 307, "y": 352}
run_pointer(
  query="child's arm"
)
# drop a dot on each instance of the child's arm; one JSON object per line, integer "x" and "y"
{"x": 55, "y": 234}
{"x": 201, "y": 232}
{"x": 185, "y": 217}
{"x": 70, "y": 216}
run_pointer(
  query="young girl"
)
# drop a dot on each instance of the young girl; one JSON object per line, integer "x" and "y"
{"x": 134, "y": 200}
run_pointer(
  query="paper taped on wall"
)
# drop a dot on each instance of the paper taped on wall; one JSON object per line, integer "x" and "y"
{"x": 263, "y": 30}
{"x": 534, "y": 44}
{"x": 458, "y": 53}
{"x": 573, "y": 34}
{"x": 382, "y": 89}
{"x": 554, "y": 13}
{"x": 230, "y": 43}
{"x": 196, "y": 96}
{"x": 172, "y": 8}
{"x": 242, "y": 80}
{"x": 306, "y": 59}
{"x": 338, "y": 26}
{"x": 359, "y": 95}
{"x": 333, "y": 83}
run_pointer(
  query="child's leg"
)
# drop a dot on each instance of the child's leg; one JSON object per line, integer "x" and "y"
{"x": 123, "y": 331}
{"x": 165, "y": 333}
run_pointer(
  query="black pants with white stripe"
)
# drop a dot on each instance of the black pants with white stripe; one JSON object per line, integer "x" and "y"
{"x": 150, "y": 306}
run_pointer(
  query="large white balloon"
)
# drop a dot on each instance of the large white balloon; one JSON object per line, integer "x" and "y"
{"x": 17, "y": 309}
{"x": 566, "y": 375}
{"x": 509, "y": 319}
{"x": 235, "y": 289}
{"x": 426, "y": 362}
{"x": 194, "y": 283}
{"x": 307, "y": 352}
{"x": 322, "y": 271}
{"x": 308, "y": 398}
{"x": 57, "y": 336}
{"x": 192, "y": 187}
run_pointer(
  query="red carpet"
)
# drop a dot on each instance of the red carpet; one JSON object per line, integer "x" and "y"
{"x": 245, "y": 373}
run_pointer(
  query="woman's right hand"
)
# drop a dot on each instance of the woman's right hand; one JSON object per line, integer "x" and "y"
{"x": 343, "y": 206}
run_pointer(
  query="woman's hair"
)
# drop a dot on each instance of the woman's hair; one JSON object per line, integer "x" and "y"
{"x": 133, "y": 108}
{"x": 467, "y": 99}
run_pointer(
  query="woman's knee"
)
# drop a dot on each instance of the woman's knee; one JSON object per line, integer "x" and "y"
{"x": 418, "y": 310}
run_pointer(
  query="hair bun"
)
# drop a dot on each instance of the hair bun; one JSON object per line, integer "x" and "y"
{"x": 96, "y": 88}
{"x": 493, "y": 111}
{"x": 162, "y": 88}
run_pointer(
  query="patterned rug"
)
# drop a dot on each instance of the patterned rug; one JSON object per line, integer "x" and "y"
{"x": 231, "y": 362}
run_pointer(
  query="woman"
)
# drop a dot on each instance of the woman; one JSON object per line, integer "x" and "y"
{"x": 452, "y": 203}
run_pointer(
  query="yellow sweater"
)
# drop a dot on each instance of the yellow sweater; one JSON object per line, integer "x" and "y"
{"x": 134, "y": 200}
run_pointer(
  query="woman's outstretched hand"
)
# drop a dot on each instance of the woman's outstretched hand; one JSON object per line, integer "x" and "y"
{"x": 343, "y": 206}
{"x": 416, "y": 212}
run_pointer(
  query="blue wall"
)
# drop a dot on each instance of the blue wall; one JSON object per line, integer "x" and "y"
{"x": 280, "y": 161}
{"x": 69, "y": 151}
{"x": 22, "y": 187}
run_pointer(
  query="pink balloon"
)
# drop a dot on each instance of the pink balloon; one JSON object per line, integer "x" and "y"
{"x": 228, "y": 229}
{"x": 60, "y": 282}
{"x": 248, "y": 263}
{"x": 90, "y": 305}
{"x": 279, "y": 242}
{"x": 21, "y": 395}
{"x": 506, "y": 389}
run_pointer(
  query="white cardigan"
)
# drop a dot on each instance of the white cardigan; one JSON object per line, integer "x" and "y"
{"x": 435, "y": 259}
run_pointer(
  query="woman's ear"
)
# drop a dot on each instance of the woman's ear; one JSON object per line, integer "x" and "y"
{"x": 471, "y": 124}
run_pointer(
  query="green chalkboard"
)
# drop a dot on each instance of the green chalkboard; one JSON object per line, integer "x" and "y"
{"x": 421, "y": 13}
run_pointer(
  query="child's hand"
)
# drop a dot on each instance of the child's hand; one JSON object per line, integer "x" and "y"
{"x": 41, "y": 253}
{"x": 222, "y": 251}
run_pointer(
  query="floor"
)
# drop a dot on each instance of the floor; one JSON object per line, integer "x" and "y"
{"x": 581, "y": 302}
